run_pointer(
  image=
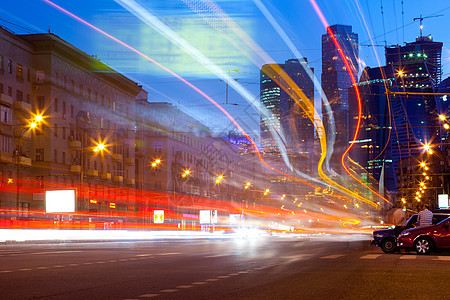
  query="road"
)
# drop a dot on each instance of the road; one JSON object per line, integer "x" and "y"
{"x": 250, "y": 268}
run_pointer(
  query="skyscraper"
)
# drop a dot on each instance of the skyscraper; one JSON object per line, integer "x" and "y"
{"x": 298, "y": 129}
{"x": 336, "y": 80}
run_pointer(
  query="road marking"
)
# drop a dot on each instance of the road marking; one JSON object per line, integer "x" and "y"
{"x": 233, "y": 274}
{"x": 333, "y": 256}
{"x": 133, "y": 259}
{"x": 370, "y": 256}
{"x": 42, "y": 268}
{"x": 184, "y": 286}
{"x": 73, "y": 265}
{"x": 5, "y": 271}
{"x": 168, "y": 291}
{"x": 54, "y": 252}
{"x": 88, "y": 263}
{"x": 149, "y": 295}
{"x": 243, "y": 272}
{"x": 112, "y": 260}
{"x": 144, "y": 255}
{"x": 58, "y": 266}
{"x": 199, "y": 282}
{"x": 218, "y": 255}
{"x": 223, "y": 276}
{"x": 171, "y": 253}
{"x": 24, "y": 270}
{"x": 447, "y": 258}
{"x": 212, "y": 279}
{"x": 408, "y": 257}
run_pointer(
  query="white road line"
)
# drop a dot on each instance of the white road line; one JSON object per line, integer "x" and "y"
{"x": 233, "y": 274}
{"x": 199, "y": 282}
{"x": 54, "y": 252}
{"x": 184, "y": 286}
{"x": 243, "y": 272}
{"x": 168, "y": 291}
{"x": 144, "y": 255}
{"x": 370, "y": 256}
{"x": 148, "y": 295}
{"x": 5, "y": 271}
{"x": 223, "y": 276}
{"x": 88, "y": 263}
{"x": 408, "y": 257}
{"x": 112, "y": 260}
{"x": 73, "y": 265}
{"x": 218, "y": 255}
{"x": 212, "y": 279}
{"x": 171, "y": 253}
{"x": 24, "y": 270}
{"x": 333, "y": 256}
{"x": 42, "y": 268}
{"x": 58, "y": 266}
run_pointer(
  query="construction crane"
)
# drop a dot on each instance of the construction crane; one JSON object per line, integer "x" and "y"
{"x": 421, "y": 19}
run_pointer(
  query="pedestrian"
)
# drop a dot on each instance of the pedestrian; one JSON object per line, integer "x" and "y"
{"x": 425, "y": 217}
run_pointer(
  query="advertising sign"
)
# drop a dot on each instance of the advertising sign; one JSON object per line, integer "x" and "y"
{"x": 443, "y": 201}
{"x": 62, "y": 201}
{"x": 205, "y": 216}
{"x": 158, "y": 216}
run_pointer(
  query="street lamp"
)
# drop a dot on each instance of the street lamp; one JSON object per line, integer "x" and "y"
{"x": 33, "y": 123}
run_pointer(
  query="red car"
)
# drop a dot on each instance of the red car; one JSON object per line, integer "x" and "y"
{"x": 425, "y": 240}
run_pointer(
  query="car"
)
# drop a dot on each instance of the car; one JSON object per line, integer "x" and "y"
{"x": 386, "y": 239}
{"x": 426, "y": 239}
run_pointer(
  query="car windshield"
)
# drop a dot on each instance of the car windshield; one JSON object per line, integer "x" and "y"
{"x": 410, "y": 221}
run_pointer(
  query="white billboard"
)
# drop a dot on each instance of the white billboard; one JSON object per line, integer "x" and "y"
{"x": 158, "y": 216}
{"x": 61, "y": 201}
{"x": 443, "y": 201}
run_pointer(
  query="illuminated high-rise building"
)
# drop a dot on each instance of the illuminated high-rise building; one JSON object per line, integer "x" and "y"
{"x": 336, "y": 80}
{"x": 286, "y": 114}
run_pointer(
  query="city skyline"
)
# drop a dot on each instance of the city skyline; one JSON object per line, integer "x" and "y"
{"x": 164, "y": 88}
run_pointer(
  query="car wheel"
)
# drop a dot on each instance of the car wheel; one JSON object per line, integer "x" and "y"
{"x": 423, "y": 245}
{"x": 388, "y": 245}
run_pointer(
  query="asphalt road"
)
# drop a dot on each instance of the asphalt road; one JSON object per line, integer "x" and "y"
{"x": 267, "y": 268}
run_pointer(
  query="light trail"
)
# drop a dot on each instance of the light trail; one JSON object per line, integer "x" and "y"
{"x": 203, "y": 94}
{"x": 358, "y": 96}
{"x": 291, "y": 88}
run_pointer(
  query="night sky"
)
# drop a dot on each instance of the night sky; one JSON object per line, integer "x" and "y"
{"x": 297, "y": 18}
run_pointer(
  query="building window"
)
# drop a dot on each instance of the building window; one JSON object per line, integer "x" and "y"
{"x": 5, "y": 144}
{"x": 41, "y": 103}
{"x": 114, "y": 106}
{"x": 89, "y": 94}
{"x": 40, "y": 154}
{"x": 55, "y": 107}
{"x": 28, "y": 74}
{"x": 9, "y": 91}
{"x": 64, "y": 158}
{"x": 6, "y": 115}
{"x": 1, "y": 88}
{"x": 56, "y": 130}
{"x": 19, "y": 71}
{"x": 55, "y": 156}
{"x": 19, "y": 95}
{"x": 71, "y": 111}
{"x": 64, "y": 109}
{"x": 2, "y": 62}
{"x": 64, "y": 81}
{"x": 64, "y": 132}
{"x": 9, "y": 66}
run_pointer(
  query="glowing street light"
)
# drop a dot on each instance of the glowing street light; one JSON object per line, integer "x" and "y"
{"x": 185, "y": 173}
{"x": 422, "y": 164}
{"x": 442, "y": 117}
{"x": 446, "y": 126}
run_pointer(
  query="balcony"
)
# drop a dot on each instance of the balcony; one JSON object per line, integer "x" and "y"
{"x": 6, "y": 99}
{"x": 105, "y": 176}
{"x": 93, "y": 173}
{"x": 75, "y": 168}
{"x": 75, "y": 144}
{"x": 21, "y": 105}
{"x": 117, "y": 157}
{"x": 22, "y": 133}
{"x": 6, "y": 157}
{"x": 118, "y": 178}
{"x": 129, "y": 161}
{"x": 130, "y": 181}
{"x": 25, "y": 161}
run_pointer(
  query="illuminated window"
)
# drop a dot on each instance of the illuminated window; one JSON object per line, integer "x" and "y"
{"x": 19, "y": 71}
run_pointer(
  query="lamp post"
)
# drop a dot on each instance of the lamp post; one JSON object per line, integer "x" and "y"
{"x": 31, "y": 126}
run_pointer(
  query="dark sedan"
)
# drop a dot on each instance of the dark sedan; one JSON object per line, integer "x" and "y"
{"x": 425, "y": 240}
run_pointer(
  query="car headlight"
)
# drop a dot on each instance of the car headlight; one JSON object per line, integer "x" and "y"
{"x": 405, "y": 233}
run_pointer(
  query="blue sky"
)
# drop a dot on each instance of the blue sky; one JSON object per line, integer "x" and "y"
{"x": 297, "y": 17}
